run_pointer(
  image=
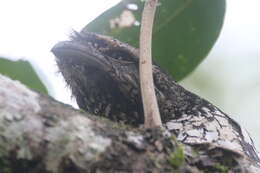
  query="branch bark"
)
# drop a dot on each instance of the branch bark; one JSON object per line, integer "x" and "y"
{"x": 151, "y": 110}
{"x": 39, "y": 134}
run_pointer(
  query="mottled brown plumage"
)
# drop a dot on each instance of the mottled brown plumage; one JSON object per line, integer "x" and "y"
{"x": 103, "y": 75}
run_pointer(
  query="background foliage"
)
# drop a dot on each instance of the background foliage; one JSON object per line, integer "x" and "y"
{"x": 23, "y": 71}
{"x": 184, "y": 30}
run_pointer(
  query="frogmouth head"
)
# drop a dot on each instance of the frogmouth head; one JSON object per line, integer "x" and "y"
{"x": 103, "y": 76}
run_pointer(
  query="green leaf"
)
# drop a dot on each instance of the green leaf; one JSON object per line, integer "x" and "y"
{"x": 23, "y": 71}
{"x": 184, "y": 31}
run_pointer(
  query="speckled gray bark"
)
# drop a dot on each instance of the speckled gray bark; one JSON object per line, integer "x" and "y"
{"x": 35, "y": 127}
{"x": 39, "y": 134}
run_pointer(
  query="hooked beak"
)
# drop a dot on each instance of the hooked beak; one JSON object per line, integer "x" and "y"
{"x": 75, "y": 52}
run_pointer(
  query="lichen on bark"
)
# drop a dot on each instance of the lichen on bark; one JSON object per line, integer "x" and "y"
{"x": 59, "y": 139}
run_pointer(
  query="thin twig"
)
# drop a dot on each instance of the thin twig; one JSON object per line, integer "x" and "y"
{"x": 151, "y": 110}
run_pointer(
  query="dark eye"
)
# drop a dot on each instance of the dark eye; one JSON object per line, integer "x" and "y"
{"x": 121, "y": 55}
{"x": 96, "y": 111}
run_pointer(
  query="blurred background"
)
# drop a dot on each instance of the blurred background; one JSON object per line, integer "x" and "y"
{"x": 229, "y": 77}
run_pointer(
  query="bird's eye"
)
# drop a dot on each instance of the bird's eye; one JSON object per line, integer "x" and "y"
{"x": 96, "y": 111}
{"x": 121, "y": 55}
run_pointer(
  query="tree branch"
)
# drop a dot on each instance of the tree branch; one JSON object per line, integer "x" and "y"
{"x": 39, "y": 134}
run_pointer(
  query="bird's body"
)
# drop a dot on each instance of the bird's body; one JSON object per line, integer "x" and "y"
{"x": 103, "y": 75}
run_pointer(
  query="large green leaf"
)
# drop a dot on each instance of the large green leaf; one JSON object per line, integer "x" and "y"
{"x": 184, "y": 31}
{"x": 23, "y": 71}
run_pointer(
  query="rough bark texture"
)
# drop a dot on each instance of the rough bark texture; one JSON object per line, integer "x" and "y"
{"x": 39, "y": 134}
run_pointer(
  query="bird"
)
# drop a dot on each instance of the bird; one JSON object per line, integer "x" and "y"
{"x": 103, "y": 74}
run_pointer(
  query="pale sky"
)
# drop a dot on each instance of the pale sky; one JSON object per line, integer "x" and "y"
{"x": 30, "y": 28}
